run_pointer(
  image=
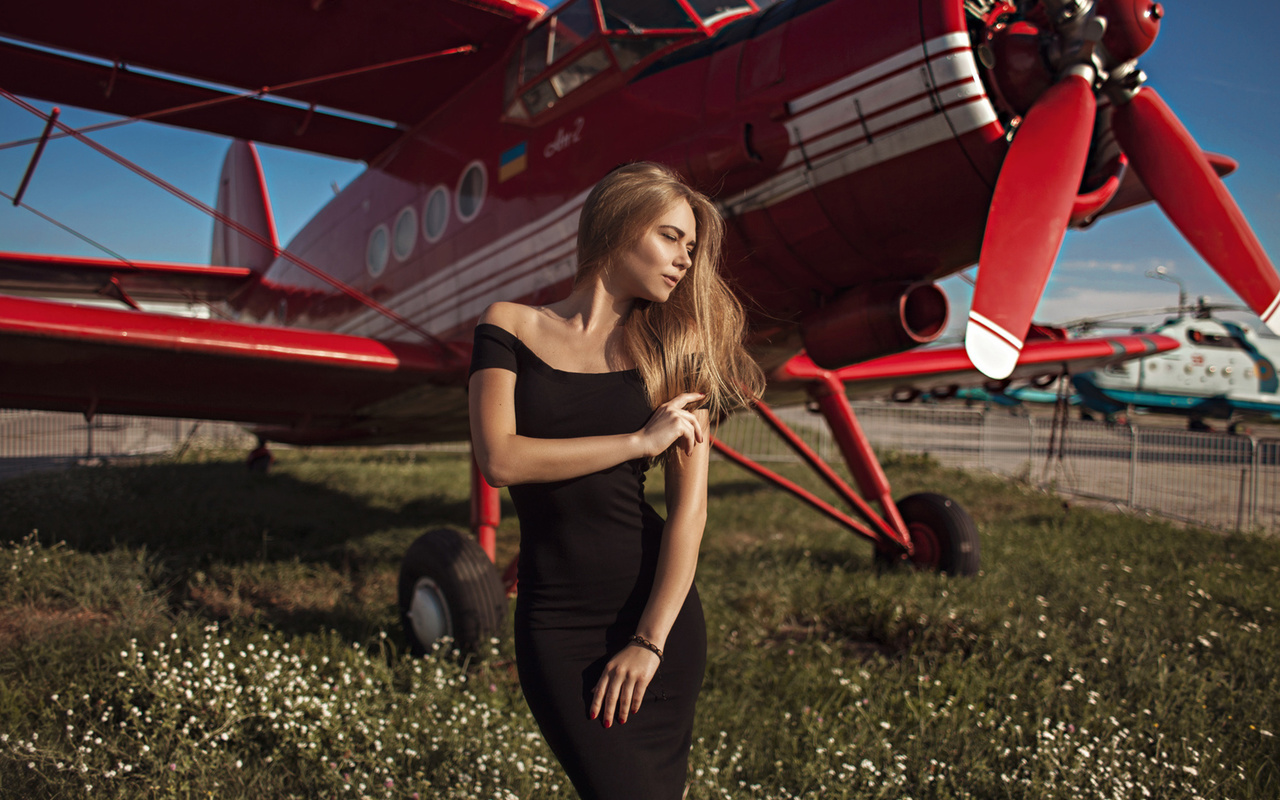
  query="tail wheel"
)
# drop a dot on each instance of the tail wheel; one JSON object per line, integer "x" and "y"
{"x": 942, "y": 532}
{"x": 448, "y": 587}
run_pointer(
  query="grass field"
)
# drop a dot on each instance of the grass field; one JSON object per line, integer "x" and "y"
{"x": 191, "y": 630}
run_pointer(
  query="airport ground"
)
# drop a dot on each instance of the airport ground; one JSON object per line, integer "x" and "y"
{"x": 184, "y": 629}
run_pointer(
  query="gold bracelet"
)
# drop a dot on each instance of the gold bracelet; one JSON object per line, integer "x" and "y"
{"x": 640, "y": 641}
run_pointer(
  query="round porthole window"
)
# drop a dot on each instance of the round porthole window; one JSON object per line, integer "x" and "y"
{"x": 375, "y": 257}
{"x": 436, "y": 215}
{"x": 406, "y": 233}
{"x": 471, "y": 191}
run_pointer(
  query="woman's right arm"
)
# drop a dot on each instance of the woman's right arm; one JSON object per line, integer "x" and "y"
{"x": 506, "y": 458}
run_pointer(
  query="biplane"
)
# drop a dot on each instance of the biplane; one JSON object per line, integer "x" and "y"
{"x": 859, "y": 150}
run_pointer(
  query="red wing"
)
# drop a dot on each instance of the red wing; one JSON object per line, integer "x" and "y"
{"x": 950, "y": 366}
{"x": 71, "y": 276}
{"x": 250, "y": 44}
{"x": 311, "y": 386}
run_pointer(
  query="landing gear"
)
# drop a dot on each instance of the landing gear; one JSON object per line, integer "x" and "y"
{"x": 449, "y": 584}
{"x": 928, "y": 530}
{"x": 449, "y": 587}
{"x": 260, "y": 458}
{"x": 942, "y": 533}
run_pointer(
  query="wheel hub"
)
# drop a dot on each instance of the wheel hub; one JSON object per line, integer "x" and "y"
{"x": 927, "y": 552}
{"x": 429, "y": 613}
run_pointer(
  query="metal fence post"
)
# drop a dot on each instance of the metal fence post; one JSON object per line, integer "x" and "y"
{"x": 1133, "y": 464}
{"x": 1031, "y": 448}
{"x": 1255, "y": 464}
{"x": 982, "y": 439}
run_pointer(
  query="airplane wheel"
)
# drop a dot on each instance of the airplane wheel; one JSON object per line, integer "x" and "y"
{"x": 261, "y": 459}
{"x": 943, "y": 533}
{"x": 448, "y": 587}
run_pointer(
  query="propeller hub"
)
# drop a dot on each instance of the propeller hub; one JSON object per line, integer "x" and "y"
{"x": 1019, "y": 68}
{"x": 1132, "y": 26}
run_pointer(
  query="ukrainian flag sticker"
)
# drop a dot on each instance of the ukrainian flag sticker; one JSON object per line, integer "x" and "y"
{"x": 512, "y": 162}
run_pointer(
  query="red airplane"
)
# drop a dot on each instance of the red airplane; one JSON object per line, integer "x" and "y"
{"x": 859, "y": 150}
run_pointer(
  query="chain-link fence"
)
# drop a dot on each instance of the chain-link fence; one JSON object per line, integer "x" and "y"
{"x": 32, "y": 440}
{"x": 1213, "y": 479}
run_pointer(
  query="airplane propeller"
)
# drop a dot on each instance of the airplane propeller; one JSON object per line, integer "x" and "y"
{"x": 1034, "y": 194}
{"x": 1185, "y": 186}
{"x": 1029, "y": 214}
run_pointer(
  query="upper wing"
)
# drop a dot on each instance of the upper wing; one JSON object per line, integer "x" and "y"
{"x": 311, "y": 386}
{"x": 242, "y": 45}
{"x": 950, "y": 366}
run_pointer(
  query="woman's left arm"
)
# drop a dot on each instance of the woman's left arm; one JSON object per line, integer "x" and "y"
{"x": 627, "y": 675}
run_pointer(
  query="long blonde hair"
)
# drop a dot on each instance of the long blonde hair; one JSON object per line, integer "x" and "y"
{"x": 693, "y": 341}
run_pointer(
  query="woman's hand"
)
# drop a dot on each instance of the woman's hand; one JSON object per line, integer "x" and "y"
{"x": 672, "y": 422}
{"x": 621, "y": 688}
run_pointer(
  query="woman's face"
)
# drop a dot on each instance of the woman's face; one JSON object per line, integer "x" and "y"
{"x": 661, "y": 258}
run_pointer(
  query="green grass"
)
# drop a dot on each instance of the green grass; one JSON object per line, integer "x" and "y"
{"x": 191, "y": 630}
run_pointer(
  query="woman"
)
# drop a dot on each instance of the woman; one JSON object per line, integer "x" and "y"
{"x": 569, "y": 403}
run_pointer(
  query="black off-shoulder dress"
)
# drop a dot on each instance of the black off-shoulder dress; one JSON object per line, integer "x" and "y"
{"x": 588, "y": 556}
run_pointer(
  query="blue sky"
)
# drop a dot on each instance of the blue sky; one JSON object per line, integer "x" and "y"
{"x": 1217, "y": 70}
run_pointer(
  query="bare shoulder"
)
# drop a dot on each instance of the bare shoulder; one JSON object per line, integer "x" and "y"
{"x": 511, "y": 317}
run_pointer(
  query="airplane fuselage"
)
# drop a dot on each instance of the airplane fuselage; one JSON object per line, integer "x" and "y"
{"x": 847, "y": 142}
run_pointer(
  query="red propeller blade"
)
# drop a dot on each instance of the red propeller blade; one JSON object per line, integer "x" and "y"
{"x": 1028, "y": 218}
{"x": 1185, "y": 185}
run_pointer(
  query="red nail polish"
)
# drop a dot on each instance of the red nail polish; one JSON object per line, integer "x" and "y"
{"x": 607, "y": 723}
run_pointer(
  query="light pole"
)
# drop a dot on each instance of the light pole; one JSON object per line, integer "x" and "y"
{"x": 1162, "y": 274}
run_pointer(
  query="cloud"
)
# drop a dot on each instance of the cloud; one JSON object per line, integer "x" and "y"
{"x": 1071, "y": 303}
{"x": 1094, "y": 265}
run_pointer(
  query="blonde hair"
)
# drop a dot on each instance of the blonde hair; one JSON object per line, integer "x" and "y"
{"x": 693, "y": 341}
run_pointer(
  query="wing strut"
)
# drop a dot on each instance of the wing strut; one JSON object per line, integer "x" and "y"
{"x": 248, "y": 233}
{"x": 35, "y": 157}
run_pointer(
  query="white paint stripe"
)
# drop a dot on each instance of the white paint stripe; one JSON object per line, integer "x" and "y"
{"x": 853, "y": 133}
{"x": 1271, "y": 309}
{"x": 451, "y": 301}
{"x": 484, "y": 273}
{"x": 446, "y": 305}
{"x": 547, "y": 276}
{"x": 991, "y": 355}
{"x": 879, "y": 69}
{"x": 996, "y": 329}
{"x": 873, "y": 99}
{"x": 969, "y": 116}
{"x": 965, "y": 106}
{"x": 489, "y": 260}
{"x": 545, "y": 232}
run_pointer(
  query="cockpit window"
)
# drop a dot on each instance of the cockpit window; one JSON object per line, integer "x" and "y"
{"x": 712, "y": 11}
{"x": 632, "y": 49}
{"x": 544, "y": 94}
{"x": 638, "y": 16}
{"x": 570, "y": 27}
{"x": 542, "y": 70}
{"x": 1207, "y": 339}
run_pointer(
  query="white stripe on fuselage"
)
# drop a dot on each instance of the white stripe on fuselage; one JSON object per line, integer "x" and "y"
{"x": 825, "y": 124}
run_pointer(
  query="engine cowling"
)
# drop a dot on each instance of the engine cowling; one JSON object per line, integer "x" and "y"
{"x": 873, "y": 321}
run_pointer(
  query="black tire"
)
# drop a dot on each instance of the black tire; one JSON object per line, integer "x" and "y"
{"x": 943, "y": 533}
{"x": 448, "y": 587}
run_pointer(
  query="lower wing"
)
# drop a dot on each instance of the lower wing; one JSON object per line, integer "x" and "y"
{"x": 300, "y": 386}
{"x": 950, "y": 366}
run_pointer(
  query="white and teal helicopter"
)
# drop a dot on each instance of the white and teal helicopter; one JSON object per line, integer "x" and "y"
{"x": 1222, "y": 370}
